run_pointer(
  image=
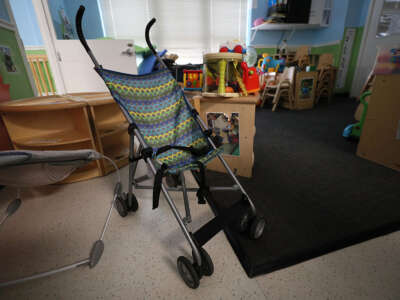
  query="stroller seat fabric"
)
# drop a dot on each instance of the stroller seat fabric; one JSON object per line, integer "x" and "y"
{"x": 158, "y": 107}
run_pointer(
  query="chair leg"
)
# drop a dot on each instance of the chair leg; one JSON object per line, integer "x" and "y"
{"x": 188, "y": 218}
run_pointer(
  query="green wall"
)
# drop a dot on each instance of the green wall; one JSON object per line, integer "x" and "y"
{"x": 20, "y": 86}
{"x": 354, "y": 57}
{"x": 333, "y": 49}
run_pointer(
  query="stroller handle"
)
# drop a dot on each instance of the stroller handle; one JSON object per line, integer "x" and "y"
{"x": 147, "y": 35}
{"x": 78, "y": 24}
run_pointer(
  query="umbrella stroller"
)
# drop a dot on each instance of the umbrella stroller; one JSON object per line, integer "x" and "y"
{"x": 24, "y": 168}
{"x": 172, "y": 139}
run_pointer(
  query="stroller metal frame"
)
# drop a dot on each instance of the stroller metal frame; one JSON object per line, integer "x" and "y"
{"x": 97, "y": 247}
{"x": 196, "y": 240}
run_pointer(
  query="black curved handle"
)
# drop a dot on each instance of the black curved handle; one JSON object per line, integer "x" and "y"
{"x": 78, "y": 24}
{"x": 147, "y": 35}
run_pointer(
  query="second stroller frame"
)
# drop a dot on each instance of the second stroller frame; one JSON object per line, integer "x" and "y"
{"x": 248, "y": 220}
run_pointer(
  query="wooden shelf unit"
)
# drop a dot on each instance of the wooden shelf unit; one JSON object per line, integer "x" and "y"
{"x": 109, "y": 126}
{"x": 51, "y": 123}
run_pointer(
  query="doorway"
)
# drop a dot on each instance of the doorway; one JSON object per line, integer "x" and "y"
{"x": 382, "y": 30}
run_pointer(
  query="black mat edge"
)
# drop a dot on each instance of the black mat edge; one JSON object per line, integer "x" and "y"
{"x": 254, "y": 270}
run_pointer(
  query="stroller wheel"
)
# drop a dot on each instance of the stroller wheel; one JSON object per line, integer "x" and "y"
{"x": 257, "y": 228}
{"x": 207, "y": 266}
{"x": 121, "y": 206}
{"x": 135, "y": 204}
{"x": 173, "y": 180}
{"x": 188, "y": 272}
{"x": 244, "y": 221}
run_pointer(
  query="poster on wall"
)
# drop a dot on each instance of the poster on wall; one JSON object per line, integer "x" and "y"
{"x": 7, "y": 60}
{"x": 345, "y": 58}
{"x": 225, "y": 127}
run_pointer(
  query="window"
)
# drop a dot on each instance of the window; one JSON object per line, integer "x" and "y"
{"x": 4, "y": 12}
{"x": 188, "y": 28}
{"x": 389, "y": 21}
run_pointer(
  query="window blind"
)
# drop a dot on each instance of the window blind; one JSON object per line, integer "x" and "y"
{"x": 188, "y": 28}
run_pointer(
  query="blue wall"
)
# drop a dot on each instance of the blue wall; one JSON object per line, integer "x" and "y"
{"x": 345, "y": 13}
{"x": 27, "y": 24}
{"x": 357, "y": 13}
{"x": 335, "y": 31}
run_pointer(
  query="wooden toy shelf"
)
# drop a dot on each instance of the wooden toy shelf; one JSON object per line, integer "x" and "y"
{"x": 110, "y": 128}
{"x": 70, "y": 122}
{"x": 53, "y": 139}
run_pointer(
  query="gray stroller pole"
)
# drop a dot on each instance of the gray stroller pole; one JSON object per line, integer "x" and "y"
{"x": 181, "y": 222}
{"x": 11, "y": 208}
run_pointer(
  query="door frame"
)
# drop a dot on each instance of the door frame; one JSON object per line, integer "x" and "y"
{"x": 12, "y": 25}
{"x": 48, "y": 35}
{"x": 367, "y": 28}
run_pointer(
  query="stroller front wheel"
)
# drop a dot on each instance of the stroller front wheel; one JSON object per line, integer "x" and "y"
{"x": 121, "y": 206}
{"x": 244, "y": 221}
{"x": 207, "y": 266}
{"x": 257, "y": 228}
{"x": 188, "y": 272}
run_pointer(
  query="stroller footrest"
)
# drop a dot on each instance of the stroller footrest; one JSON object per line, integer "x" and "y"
{"x": 215, "y": 225}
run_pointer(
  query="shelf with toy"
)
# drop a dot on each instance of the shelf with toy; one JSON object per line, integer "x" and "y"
{"x": 227, "y": 75}
{"x": 285, "y": 26}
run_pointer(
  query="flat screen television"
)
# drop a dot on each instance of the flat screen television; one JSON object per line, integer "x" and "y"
{"x": 289, "y": 11}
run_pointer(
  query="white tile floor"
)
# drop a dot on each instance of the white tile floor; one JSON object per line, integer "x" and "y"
{"x": 57, "y": 225}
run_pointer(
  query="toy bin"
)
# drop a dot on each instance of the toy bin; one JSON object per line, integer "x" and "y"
{"x": 223, "y": 75}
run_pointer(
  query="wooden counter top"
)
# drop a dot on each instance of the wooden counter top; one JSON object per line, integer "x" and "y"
{"x": 234, "y": 100}
{"x": 47, "y": 103}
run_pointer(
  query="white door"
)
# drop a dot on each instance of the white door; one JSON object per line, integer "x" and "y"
{"x": 382, "y": 29}
{"x": 72, "y": 68}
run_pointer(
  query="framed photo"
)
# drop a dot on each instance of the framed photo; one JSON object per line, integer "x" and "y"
{"x": 6, "y": 59}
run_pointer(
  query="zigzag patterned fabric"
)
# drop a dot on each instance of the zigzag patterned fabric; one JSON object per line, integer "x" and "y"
{"x": 156, "y": 104}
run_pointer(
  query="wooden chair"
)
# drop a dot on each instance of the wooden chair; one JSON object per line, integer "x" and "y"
{"x": 285, "y": 88}
{"x": 326, "y": 78}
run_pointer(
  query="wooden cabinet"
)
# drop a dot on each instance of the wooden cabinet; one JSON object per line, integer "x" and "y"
{"x": 233, "y": 121}
{"x": 109, "y": 126}
{"x": 70, "y": 122}
{"x": 51, "y": 123}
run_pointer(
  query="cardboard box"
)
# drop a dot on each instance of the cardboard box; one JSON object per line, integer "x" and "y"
{"x": 306, "y": 84}
{"x": 380, "y": 137}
